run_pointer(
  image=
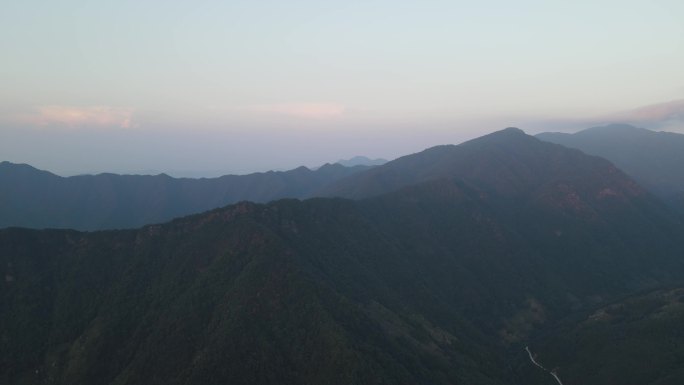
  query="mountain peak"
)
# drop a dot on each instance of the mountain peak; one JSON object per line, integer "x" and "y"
{"x": 508, "y": 132}
{"x": 360, "y": 160}
{"x": 8, "y": 164}
{"x": 507, "y": 136}
{"x": 22, "y": 169}
{"x": 515, "y": 130}
{"x": 507, "y": 163}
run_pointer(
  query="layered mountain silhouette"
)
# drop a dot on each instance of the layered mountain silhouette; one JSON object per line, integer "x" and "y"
{"x": 654, "y": 159}
{"x": 39, "y": 199}
{"x": 444, "y": 266}
{"x": 361, "y": 161}
{"x": 506, "y": 163}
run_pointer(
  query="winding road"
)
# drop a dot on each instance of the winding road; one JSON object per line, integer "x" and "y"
{"x": 551, "y": 372}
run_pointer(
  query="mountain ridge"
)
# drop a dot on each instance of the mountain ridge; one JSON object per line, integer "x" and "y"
{"x": 361, "y": 160}
{"x": 653, "y": 158}
{"x": 440, "y": 281}
{"x": 40, "y": 199}
{"x": 502, "y": 160}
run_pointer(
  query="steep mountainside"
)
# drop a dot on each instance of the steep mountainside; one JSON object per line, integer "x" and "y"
{"x": 654, "y": 159}
{"x": 39, "y": 199}
{"x": 438, "y": 282}
{"x": 509, "y": 163}
{"x": 634, "y": 341}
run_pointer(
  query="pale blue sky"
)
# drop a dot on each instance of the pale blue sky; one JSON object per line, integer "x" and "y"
{"x": 238, "y": 86}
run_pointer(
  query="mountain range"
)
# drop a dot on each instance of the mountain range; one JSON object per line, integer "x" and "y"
{"x": 436, "y": 268}
{"x": 39, "y": 199}
{"x": 654, "y": 159}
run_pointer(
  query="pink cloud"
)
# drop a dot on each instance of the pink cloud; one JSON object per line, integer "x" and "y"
{"x": 301, "y": 110}
{"x": 73, "y": 117}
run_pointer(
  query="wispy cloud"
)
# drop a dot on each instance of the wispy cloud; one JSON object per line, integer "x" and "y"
{"x": 76, "y": 117}
{"x": 300, "y": 110}
{"x": 661, "y": 112}
{"x": 667, "y": 116}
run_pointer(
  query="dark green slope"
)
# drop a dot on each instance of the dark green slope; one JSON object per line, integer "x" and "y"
{"x": 654, "y": 159}
{"x": 236, "y": 296}
{"x": 38, "y": 199}
{"x": 634, "y": 341}
{"x": 439, "y": 282}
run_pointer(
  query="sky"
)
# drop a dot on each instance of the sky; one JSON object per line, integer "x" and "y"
{"x": 204, "y": 88}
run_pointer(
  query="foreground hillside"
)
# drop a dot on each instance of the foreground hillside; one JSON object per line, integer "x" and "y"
{"x": 38, "y": 199}
{"x": 634, "y": 341}
{"x": 440, "y": 276}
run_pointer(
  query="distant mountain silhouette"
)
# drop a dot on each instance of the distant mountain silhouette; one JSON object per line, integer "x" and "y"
{"x": 505, "y": 162}
{"x": 361, "y": 161}
{"x": 654, "y": 159}
{"x": 39, "y": 199}
{"x": 451, "y": 261}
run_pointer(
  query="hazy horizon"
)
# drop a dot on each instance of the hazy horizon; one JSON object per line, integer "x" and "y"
{"x": 211, "y": 173}
{"x": 238, "y": 87}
